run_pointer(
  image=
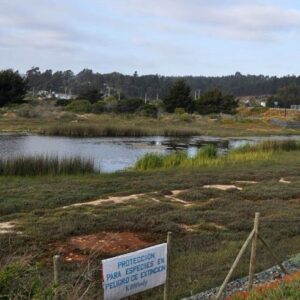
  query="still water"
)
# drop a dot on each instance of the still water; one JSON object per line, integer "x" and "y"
{"x": 113, "y": 154}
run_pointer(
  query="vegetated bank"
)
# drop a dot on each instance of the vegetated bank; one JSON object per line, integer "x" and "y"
{"x": 209, "y": 225}
{"x": 208, "y": 156}
{"x": 48, "y": 119}
{"x": 45, "y": 165}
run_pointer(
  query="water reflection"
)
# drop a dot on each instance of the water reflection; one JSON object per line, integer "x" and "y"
{"x": 114, "y": 154}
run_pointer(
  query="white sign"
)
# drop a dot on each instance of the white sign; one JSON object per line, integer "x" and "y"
{"x": 134, "y": 272}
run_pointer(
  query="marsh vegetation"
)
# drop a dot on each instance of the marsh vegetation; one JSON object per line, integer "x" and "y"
{"x": 208, "y": 227}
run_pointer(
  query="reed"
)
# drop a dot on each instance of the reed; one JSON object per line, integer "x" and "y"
{"x": 84, "y": 130}
{"x": 208, "y": 156}
{"x": 267, "y": 146}
{"x": 116, "y": 130}
{"x": 45, "y": 165}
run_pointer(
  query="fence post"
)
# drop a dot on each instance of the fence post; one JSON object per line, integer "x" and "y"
{"x": 253, "y": 251}
{"x": 235, "y": 263}
{"x": 166, "y": 288}
{"x": 56, "y": 268}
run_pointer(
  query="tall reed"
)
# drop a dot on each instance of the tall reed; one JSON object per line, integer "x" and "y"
{"x": 208, "y": 156}
{"x": 89, "y": 130}
{"x": 45, "y": 165}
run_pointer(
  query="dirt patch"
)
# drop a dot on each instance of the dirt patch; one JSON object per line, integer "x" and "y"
{"x": 10, "y": 115}
{"x": 79, "y": 248}
{"x": 246, "y": 182}
{"x": 7, "y": 227}
{"x": 197, "y": 227}
{"x": 223, "y": 187}
{"x": 174, "y": 198}
{"x": 171, "y": 195}
{"x": 282, "y": 180}
{"x": 117, "y": 200}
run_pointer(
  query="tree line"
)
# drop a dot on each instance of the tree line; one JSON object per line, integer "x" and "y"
{"x": 153, "y": 86}
{"x": 178, "y": 95}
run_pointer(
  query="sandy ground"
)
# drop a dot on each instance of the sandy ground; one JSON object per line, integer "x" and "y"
{"x": 222, "y": 187}
{"x": 7, "y": 227}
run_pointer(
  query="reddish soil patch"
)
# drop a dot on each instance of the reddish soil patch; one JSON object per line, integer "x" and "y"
{"x": 79, "y": 248}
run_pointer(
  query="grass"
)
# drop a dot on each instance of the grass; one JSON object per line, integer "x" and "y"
{"x": 208, "y": 156}
{"x": 201, "y": 253}
{"x": 45, "y": 165}
{"x": 78, "y": 125}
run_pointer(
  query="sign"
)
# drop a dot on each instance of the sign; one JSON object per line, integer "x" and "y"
{"x": 134, "y": 272}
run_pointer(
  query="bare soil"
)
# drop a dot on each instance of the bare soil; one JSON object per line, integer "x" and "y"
{"x": 80, "y": 248}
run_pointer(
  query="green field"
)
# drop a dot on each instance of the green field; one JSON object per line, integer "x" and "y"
{"x": 208, "y": 225}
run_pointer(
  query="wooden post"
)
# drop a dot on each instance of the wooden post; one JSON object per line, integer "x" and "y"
{"x": 275, "y": 258}
{"x": 243, "y": 249}
{"x": 166, "y": 289}
{"x": 56, "y": 268}
{"x": 253, "y": 251}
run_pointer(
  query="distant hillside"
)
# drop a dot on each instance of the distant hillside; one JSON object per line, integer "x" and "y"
{"x": 153, "y": 85}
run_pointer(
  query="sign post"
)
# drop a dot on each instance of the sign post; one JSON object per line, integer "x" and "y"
{"x": 166, "y": 289}
{"x": 135, "y": 272}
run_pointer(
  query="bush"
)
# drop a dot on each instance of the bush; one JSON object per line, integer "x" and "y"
{"x": 129, "y": 105}
{"x": 79, "y": 106}
{"x": 186, "y": 117}
{"x": 62, "y": 102}
{"x": 99, "y": 107}
{"x": 149, "y": 110}
{"x": 179, "y": 111}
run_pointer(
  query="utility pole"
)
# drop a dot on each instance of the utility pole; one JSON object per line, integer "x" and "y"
{"x": 146, "y": 98}
{"x": 157, "y": 97}
{"x": 197, "y": 94}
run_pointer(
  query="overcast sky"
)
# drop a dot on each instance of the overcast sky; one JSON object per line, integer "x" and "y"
{"x": 169, "y": 37}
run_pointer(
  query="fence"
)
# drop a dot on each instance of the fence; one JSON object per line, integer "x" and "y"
{"x": 253, "y": 239}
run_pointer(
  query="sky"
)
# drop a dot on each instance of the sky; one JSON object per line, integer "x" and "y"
{"x": 167, "y": 37}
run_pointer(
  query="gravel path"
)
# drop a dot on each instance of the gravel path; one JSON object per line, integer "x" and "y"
{"x": 292, "y": 265}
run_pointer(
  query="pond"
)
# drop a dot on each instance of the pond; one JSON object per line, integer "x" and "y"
{"x": 113, "y": 154}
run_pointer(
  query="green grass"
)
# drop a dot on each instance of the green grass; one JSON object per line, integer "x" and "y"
{"x": 207, "y": 156}
{"x": 200, "y": 257}
{"x": 45, "y": 165}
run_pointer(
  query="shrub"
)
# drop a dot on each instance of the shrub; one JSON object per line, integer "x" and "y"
{"x": 186, "y": 117}
{"x": 149, "y": 110}
{"x": 179, "y": 111}
{"x": 62, "y": 102}
{"x": 129, "y": 105}
{"x": 79, "y": 106}
{"x": 98, "y": 107}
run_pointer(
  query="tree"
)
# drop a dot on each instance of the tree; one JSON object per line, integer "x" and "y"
{"x": 179, "y": 96}
{"x": 214, "y": 101}
{"x": 13, "y": 87}
{"x": 285, "y": 97}
{"x": 91, "y": 94}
